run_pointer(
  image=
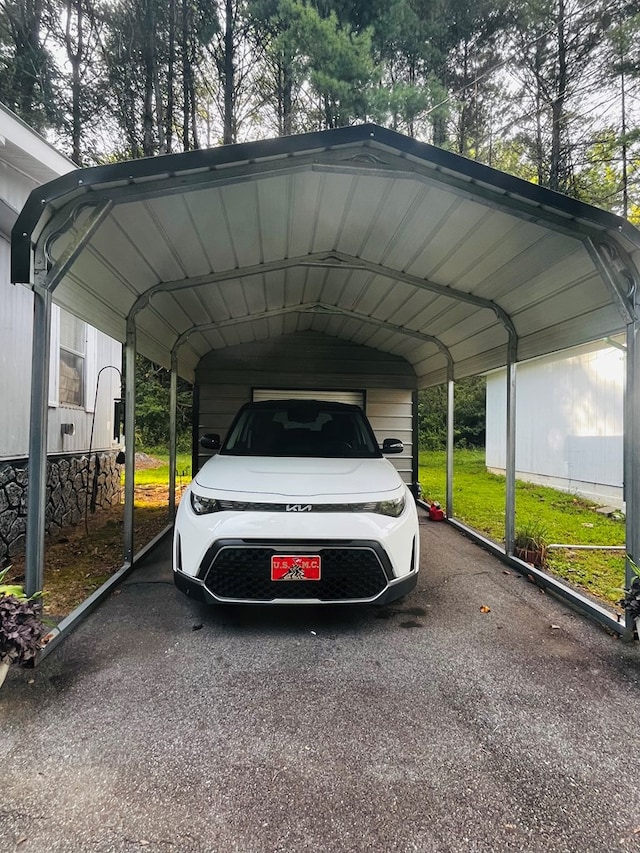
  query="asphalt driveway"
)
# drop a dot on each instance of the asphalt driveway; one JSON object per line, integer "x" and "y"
{"x": 428, "y": 725}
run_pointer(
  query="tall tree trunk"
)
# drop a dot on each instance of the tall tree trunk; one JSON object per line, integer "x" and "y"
{"x": 229, "y": 135}
{"x": 149, "y": 63}
{"x": 557, "y": 170}
{"x": 186, "y": 89}
{"x": 170, "y": 77}
{"x": 74, "y": 56}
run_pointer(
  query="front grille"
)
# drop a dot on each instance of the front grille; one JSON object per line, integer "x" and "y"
{"x": 244, "y": 572}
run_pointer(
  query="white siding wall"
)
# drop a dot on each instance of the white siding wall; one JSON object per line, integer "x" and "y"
{"x": 569, "y": 415}
{"x": 226, "y": 380}
{"x": 16, "y": 320}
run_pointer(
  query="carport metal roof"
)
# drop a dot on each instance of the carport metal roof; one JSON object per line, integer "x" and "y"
{"x": 359, "y": 233}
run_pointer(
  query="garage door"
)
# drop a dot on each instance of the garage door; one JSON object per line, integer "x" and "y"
{"x": 354, "y": 397}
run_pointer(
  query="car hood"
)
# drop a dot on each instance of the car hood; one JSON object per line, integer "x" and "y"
{"x": 298, "y": 477}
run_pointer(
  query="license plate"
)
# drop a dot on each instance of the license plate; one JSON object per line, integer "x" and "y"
{"x": 295, "y": 567}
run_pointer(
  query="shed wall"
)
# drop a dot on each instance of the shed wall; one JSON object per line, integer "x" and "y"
{"x": 569, "y": 416}
{"x": 226, "y": 380}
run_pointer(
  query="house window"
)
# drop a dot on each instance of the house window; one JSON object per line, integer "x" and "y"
{"x": 73, "y": 338}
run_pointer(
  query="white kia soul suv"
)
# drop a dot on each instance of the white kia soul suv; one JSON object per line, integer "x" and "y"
{"x": 299, "y": 505}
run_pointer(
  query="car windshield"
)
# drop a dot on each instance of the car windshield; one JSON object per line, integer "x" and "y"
{"x": 301, "y": 429}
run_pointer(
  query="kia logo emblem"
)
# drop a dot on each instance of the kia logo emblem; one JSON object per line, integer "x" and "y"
{"x": 298, "y": 507}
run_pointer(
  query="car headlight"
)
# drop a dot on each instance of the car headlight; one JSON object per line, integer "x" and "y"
{"x": 393, "y": 508}
{"x": 203, "y": 506}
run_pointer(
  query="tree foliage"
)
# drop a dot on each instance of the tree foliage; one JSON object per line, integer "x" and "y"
{"x": 469, "y": 415}
{"x": 153, "y": 385}
{"x": 548, "y": 89}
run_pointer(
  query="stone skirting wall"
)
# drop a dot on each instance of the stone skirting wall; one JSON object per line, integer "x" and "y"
{"x": 67, "y": 497}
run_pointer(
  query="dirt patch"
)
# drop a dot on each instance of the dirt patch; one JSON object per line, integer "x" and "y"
{"x": 82, "y": 558}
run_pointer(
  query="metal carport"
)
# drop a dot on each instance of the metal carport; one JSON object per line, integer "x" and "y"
{"x": 357, "y": 233}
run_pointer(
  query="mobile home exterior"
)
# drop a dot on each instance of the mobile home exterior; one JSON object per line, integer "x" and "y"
{"x": 79, "y": 404}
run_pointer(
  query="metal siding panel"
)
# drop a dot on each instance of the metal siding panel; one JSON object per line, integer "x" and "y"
{"x": 390, "y": 413}
{"x": 16, "y": 325}
{"x": 576, "y": 437}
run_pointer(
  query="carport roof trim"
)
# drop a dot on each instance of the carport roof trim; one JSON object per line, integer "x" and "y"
{"x": 215, "y": 160}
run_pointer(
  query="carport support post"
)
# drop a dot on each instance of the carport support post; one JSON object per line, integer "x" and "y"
{"x": 37, "y": 494}
{"x": 173, "y": 406}
{"x": 451, "y": 390}
{"x": 510, "y": 465}
{"x": 129, "y": 437}
{"x": 632, "y": 456}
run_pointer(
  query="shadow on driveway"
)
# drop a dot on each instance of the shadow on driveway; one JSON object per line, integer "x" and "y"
{"x": 427, "y": 725}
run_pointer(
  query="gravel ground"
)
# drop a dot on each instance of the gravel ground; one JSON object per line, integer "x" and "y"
{"x": 426, "y": 725}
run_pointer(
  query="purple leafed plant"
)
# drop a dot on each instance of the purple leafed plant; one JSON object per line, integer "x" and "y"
{"x": 631, "y": 600}
{"x": 21, "y": 630}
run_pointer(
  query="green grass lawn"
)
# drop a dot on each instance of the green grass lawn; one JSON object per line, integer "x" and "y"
{"x": 478, "y": 501}
{"x": 160, "y": 476}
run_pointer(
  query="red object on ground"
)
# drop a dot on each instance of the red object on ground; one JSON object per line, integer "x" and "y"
{"x": 436, "y": 513}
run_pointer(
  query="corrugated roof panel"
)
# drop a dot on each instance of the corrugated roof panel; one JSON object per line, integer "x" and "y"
{"x": 138, "y": 228}
{"x": 363, "y": 210}
{"x": 479, "y": 342}
{"x": 274, "y": 209}
{"x": 433, "y": 225}
{"x": 169, "y": 306}
{"x": 574, "y": 301}
{"x": 175, "y": 221}
{"x": 192, "y": 304}
{"x": 304, "y": 202}
{"x": 241, "y": 211}
{"x": 474, "y": 322}
{"x": 574, "y": 266}
{"x": 390, "y": 219}
{"x": 253, "y": 291}
{"x": 332, "y": 205}
{"x": 112, "y": 247}
{"x": 208, "y": 215}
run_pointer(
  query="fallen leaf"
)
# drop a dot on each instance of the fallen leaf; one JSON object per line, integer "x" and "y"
{"x": 505, "y": 572}
{"x": 555, "y": 627}
{"x": 485, "y": 609}
{"x": 196, "y": 627}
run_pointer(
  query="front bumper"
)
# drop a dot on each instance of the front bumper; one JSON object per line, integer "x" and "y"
{"x": 391, "y": 590}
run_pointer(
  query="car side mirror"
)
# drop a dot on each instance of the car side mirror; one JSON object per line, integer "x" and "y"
{"x": 392, "y": 445}
{"x": 210, "y": 441}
